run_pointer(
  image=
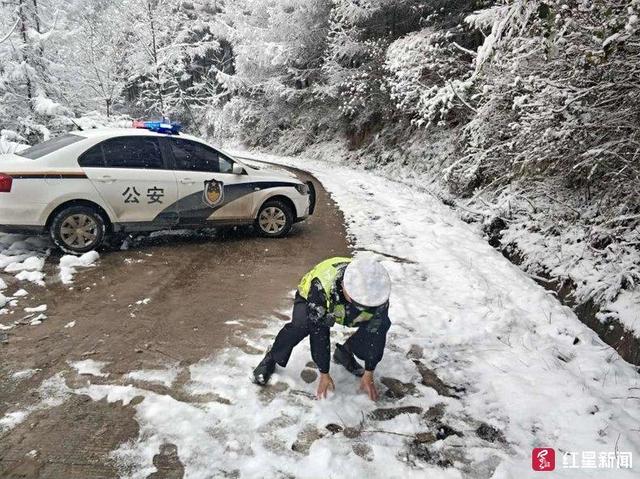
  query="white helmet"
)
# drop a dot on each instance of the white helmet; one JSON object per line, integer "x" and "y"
{"x": 367, "y": 282}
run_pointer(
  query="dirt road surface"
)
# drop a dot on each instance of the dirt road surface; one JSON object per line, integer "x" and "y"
{"x": 167, "y": 299}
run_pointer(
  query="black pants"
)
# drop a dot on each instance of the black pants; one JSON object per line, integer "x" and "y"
{"x": 367, "y": 343}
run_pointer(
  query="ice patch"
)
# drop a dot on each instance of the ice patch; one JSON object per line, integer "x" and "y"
{"x": 70, "y": 324}
{"x": 20, "y": 293}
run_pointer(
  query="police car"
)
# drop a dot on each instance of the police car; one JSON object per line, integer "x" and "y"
{"x": 85, "y": 185}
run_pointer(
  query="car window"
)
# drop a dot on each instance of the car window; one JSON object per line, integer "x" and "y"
{"x": 49, "y": 146}
{"x": 133, "y": 152}
{"x": 226, "y": 165}
{"x": 93, "y": 157}
{"x": 194, "y": 156}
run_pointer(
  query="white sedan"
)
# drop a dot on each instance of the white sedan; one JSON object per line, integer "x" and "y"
{"x": 84, "y": 185}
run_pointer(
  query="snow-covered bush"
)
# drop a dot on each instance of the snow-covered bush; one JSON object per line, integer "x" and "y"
{"x": 428, "y": 77}
{"x": 554, "y": 145}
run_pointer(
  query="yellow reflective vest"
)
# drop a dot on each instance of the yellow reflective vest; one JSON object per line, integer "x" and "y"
{"x": 327, "y": 273}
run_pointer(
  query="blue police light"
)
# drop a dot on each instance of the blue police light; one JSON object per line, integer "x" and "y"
{"x": 159, "y": 126}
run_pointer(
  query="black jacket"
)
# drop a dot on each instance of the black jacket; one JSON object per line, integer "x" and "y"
{"x": 367, "y": 343}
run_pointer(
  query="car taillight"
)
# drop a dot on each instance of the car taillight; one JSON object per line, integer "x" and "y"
{"x": 5, "y": 183}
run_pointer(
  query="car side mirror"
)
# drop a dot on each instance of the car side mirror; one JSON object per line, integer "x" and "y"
{"x": 237, "y": 169}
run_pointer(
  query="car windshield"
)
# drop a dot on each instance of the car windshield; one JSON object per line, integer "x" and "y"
{"x": 49, "y": 146}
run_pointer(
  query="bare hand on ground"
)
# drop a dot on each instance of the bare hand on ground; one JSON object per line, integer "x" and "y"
{"x": 325, "y": 384}
{"x": 367, "y": 385}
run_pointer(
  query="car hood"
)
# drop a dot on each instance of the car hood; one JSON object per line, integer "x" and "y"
{"x": 274, "y": 173}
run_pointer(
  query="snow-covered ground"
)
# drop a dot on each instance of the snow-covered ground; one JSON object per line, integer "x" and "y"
{"x": 510, "y": 357}
{"x": 609, "y": 275}
{"x": 22, "y": 275}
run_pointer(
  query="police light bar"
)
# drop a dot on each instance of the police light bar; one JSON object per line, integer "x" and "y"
{"x": 158, "y": 126}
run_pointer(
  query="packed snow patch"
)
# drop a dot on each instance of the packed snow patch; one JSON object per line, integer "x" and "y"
{"x": 37, "y": 309}
{"x": 24, "y": 255}
{"x": 36, "y": 277}
{"x": 165, "y": 377}
{"x": 12, "y": 419}
{"x": 69, "y": 264}
{"x": 33, "y": 263}
{"x": 248, "y": 432}
{"x": 24, "y": 374}
{"x": 37, "y": 320}
{"x": 89, "y": 367}
{"x": 51, "y": 393}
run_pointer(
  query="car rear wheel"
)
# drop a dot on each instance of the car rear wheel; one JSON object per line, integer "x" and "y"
{"x": 78, "y": 229}
{"x": 275, "y": 219}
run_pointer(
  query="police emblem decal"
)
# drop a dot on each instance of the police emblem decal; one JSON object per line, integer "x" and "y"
{"x": 213, "y": 194}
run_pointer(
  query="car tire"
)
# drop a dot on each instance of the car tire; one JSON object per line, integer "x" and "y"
{"x": 275, "y": 219}
{"x": 78, "y": 229}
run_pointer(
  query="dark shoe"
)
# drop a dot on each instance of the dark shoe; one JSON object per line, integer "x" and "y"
{"x": 343, "y": 356}
{"x": 264, "y": 371}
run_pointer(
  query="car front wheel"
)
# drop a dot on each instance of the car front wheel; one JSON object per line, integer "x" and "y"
{"x": 78, "y": 229}
{"x": 275, "y": 219}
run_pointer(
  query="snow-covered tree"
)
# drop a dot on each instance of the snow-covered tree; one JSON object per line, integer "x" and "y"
{"x": 174, "y": 58}
{"x": 278, "y": 51}
{"x": 30, "y": 98}
{"x": 92, "y": 50}
{"x": 557, "y": 85}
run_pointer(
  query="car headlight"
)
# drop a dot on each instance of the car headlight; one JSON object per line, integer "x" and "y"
{"x": 302, "y": 189}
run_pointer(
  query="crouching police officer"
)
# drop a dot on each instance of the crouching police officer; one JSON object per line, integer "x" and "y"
{"x": 353, "y": 293}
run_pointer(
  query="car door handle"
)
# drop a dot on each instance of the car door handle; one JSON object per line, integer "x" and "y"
{"x": 105, "y": 179}
{"x": 187, "y": 181}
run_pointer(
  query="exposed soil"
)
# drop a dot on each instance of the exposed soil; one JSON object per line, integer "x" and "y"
{"x": 168, "y": 299}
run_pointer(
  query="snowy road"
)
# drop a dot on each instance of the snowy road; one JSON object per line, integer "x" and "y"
{"x": 482, "y": 366}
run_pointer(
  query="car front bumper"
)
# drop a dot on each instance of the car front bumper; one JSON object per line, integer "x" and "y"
{"x": 312, "y": 197}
